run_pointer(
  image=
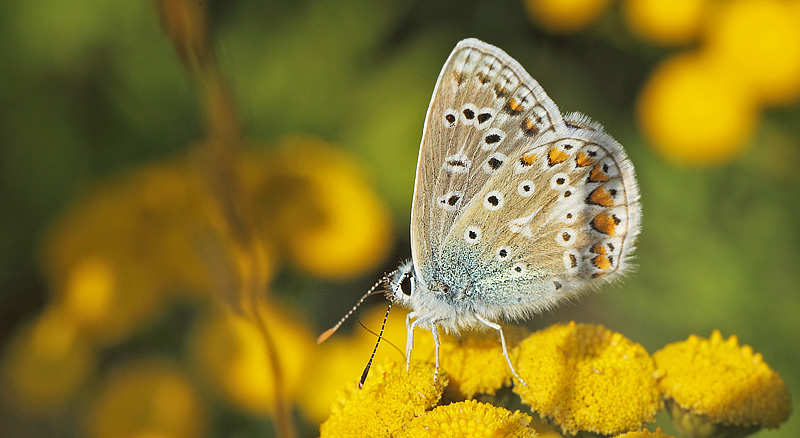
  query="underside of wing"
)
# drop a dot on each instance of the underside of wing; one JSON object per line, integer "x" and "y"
{"x": 558, "y": 217}
{"x": 484, "y": 111}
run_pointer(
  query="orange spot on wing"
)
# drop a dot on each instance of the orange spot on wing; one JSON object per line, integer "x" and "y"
{"x": 529, "y": 128}
{"x": 601, "y": 197}
{"x": 602, "y": 262}
{"x": 583, "y": 160}
{"x": 605, "y": 223}
{"x": 556, "y": 156}
{"x": 528, "y": 159}
{"x": 500, "y": 91}
{"x": 513, "y": 107}
{"x": 598, "y": 175}
{"x": 599, "y": 248}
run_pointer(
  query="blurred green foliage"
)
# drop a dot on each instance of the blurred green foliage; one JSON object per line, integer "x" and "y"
{"x": 92, "y": 88}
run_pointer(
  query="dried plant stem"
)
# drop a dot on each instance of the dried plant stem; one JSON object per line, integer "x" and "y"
{"x": 185, "y": 23}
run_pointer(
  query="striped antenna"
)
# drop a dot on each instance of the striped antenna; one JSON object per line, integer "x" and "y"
{"x": 328, "y": 333}
{"x": 372, "y": 356}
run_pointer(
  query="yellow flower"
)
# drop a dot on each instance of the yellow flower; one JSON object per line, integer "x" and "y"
{"x": 719, "y": 383}
{"x": 695, "y": 111}
{"x": 645, "y": 434}
{"x": 115, "y": 254}
{"x": 586, "y": 378}
{"x": 151, "y": 399}
{"x": 665, "y": 21}
{"x": 230, "y": 354}
{"x": 389, "y": 399}
{"x": 565, "y": 15}
{"x": 760, "y": 41}
{"x": 46, "y": 363}
{"x": 323, "y": 209}
{"x": 474, "y": 361}
{"x": 469, "y": 419}
{"x": 89, "y": 290}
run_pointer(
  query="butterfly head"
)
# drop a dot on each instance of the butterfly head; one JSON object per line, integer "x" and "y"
{"x": 403, "y": 284}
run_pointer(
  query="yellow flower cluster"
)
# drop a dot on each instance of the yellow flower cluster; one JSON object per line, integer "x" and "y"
{"x": 389, "y": 399}
{"x": 703, "y": 106}
{"x": 586, "y": 378}
{"x": 474, "y": 361}
{"x": 583, "y": 379}
{"x": 146, "y": 399}
{"x": 644, "y": 434}
{"x": 230, "y": 356}
{"x": 469, "y": 419}
{"x": 395, "y": 403}
{"x": 565, "y": 16}
{"x": 130, "y": 248}
{"x": 716, "y": 383}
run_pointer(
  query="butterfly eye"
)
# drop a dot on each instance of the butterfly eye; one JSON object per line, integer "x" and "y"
{"x": 405, "y": 285}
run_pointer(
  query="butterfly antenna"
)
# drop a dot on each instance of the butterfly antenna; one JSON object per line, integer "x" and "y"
{"x": 380, "y": 336}
{"x": 328, "y": 333}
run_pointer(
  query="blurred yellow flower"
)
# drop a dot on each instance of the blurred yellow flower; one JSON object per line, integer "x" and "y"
{"x": 89, "y": 290}
{"x": 117, "y": 251}
{"x": 714, "y": 383}
{"x": 695, "y": 111}
{"x": 469, "y": 419}
{"x": 390, "y": 398}
{"x": 645, "y": 434}
{"x": 147, "y": 399}
{"x": 666, "y": 21}
{"x": 584, "y": 377}
{"x": 760, "y": 41}
{"x": 329, "y": 219}
{"x": 565, "y": 16}
{"x": 230, "y": 354}
{"x": 46, "y": 363}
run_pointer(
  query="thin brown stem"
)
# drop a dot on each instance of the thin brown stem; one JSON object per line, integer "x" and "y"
{"x": 185, "y": 22}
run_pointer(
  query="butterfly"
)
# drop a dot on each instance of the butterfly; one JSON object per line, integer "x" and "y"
{"x": 516, "y": 207}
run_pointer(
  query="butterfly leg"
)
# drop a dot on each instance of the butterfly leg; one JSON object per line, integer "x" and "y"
{"x": 503, "y": 343}
{"x": 410, "y": 325}
{"x": 435, "y": 333}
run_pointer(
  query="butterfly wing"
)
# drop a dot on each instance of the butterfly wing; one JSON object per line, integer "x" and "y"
{"x": 559, "y": 216}
{"x": 485, "y": 107}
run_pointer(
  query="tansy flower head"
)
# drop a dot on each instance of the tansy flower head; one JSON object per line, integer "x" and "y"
{"x": 46, "y": 363}
{"x": 682, "y": 92}
{"x": 565, "y": 16}
{"x": 389, "y": 399}
{"x": 666, "y": 22}
{"x": 318, "y": 203}
{"x": 584, "y": 377}
{"x": 760, "y": 41}
{"x": 469, "y": 419}
{"x": 230, "y": 354}
{"x": 474, "y": 362}
{"x": 645, "y": 434}
{"x": 719, "y": 386}
{"x": 146, "y": 399}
